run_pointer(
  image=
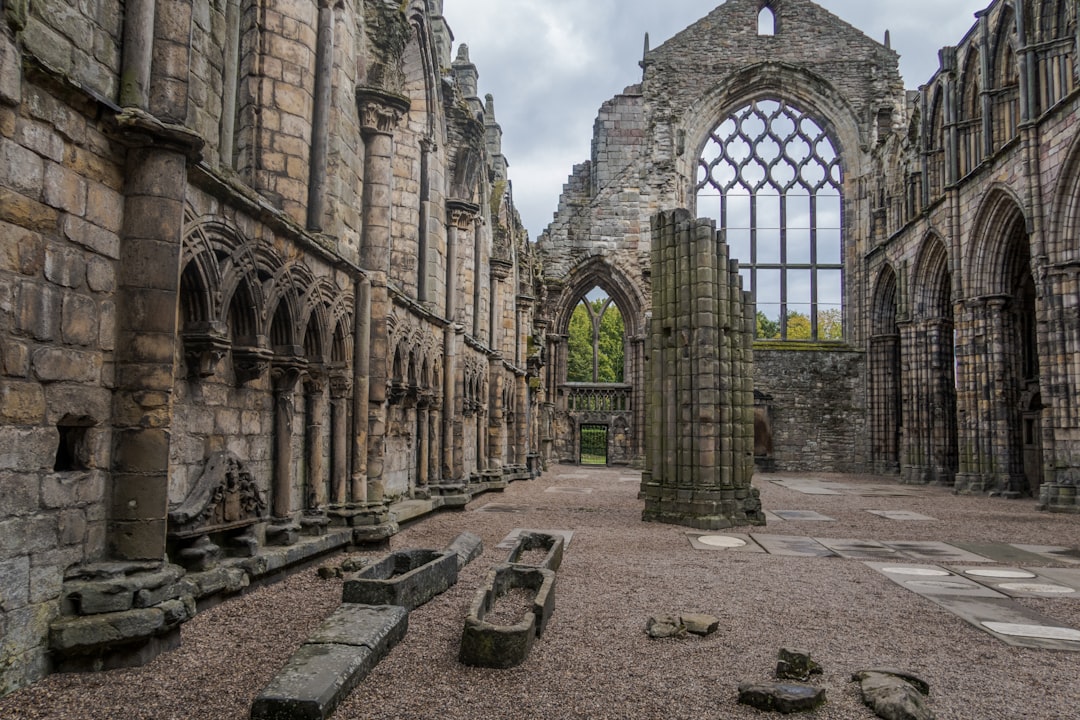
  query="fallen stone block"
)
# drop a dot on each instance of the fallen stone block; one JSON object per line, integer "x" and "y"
{"x": 341, "y": 653}
{"x": 408, "y": 578}
{"x": 894, "y": 696}
{"x": 498, "y": 644}
{"x": 660, "y": 627}
{"x": 698, "y": 624}
{"x": 468, "y": 547}
{"x": 783, "y": 698}
{"x": 537, "y": 550}
{"x": 795, "y": 665}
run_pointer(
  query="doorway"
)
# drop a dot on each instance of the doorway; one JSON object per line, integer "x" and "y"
{"x": 593, "y": 445}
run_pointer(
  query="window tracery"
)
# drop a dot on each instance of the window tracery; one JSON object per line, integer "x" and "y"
{"x": 771, "y": 177}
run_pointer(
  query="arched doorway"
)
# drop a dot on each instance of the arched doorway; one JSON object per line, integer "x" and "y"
{"x": 885, "y": 376}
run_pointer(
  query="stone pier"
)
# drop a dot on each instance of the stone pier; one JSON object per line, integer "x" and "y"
{"x": 700, "y": 396}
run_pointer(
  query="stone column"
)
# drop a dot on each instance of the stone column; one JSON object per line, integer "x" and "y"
{"x": 459, "y": 217}
{"x": 700, "y": 435}
{"x": 320, "y": 120}
{"x": 380, "y": 112}
{"x": 521, "y": 436}
{"x": 434, "y": 430}
{"x": 283, "y": 530}
{"x": 230, "y": 80}
{"x": 423, "y": 441}
{"x": 315, "y": 442}
{"x": 341, "y": 387}
{"x": 496, "y": 418}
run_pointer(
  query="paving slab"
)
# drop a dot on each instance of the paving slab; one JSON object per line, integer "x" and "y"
{"x": 792, "y": 546}
{"x": 770, "y": 516}
{"x": 574, "y": 476}
{"x": 810, "y": 515}
{"x": 882, "y": 491}
{"x": 1053, "y": 553}
{"x": 860, "y": 549}
{"x": 807, "y": 487}
{"x": 503, "y": 508}
{"x": 1002, "y": 553}
{"x": 569, "y": 490}
{"x": 900, "y": 515}
{"x": 1017, "y": 582}
{"x": 1065, "y": 576}
{"x": 1012, "y": 623}
{"x": 725, "y": 542}
{"x": 934, "y": 551}
{"x": 511, "y": 540}
{"x": 932, "y": 580}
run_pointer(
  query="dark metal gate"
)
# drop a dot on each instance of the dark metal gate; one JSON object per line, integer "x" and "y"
{"x": 593, "y": 445}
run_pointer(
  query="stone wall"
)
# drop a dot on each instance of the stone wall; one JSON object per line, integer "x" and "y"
{"x": 817, "y": 412}
{"x": 246, "y": 254}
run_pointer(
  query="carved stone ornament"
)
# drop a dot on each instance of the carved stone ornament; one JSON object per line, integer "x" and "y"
{"x": 250, "y": 362}
{"x": 461, "y": 214}
{"x": 205, "y": 344}
{"x": 225, "y": 497}
{"x": 380, "y": 111}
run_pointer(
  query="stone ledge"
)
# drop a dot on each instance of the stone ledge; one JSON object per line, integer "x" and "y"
{"x": 333, "y": 661}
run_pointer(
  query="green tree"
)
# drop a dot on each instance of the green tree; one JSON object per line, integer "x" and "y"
{"x": 767, "y": 329}
{"x": 579, "y": 352}
{"x": 830, "y": 324}
{"x": 798, "y": 326}
{"x": 612, "y": 348}
{"x": 607, "y": 340}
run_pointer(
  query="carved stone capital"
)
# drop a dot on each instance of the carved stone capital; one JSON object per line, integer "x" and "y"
{"x": 251, "y": 360}
{"x": 205, "y": 344}
{"x": 461, "y": 214}
{"x": 380, "y": 111}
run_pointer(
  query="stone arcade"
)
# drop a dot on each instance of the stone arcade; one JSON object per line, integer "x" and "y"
{"x": 264, "y": 292}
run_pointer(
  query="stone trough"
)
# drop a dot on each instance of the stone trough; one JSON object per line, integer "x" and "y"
{"x": 331, "y": 663}
{"x": 486, "y": 644}
{"x": 408, "y": 578}
{"x": 530, "y": 542}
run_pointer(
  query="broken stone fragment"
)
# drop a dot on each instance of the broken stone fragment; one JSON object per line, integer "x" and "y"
{"x": 665, "y": 626}
{"x": 698, "y": 624}
{"x": 919, "y": 683}
{"x": 894, "y": 695}
{"x": 783, "y": 698}
{"x": 795, "y": 665}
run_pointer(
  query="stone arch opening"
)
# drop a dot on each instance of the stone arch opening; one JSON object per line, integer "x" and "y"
{"x": 934, "y": 429}
{"x": 886, "y": 375}
{"x": 766, "y": 21}
{"x": 598, "y": 368}
{"x": 1001, "y": 350}
{"x": 1006, "y": 99}
{"x": 771, "y": 176}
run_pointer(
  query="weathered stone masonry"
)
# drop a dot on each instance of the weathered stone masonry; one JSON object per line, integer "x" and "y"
{"x": 260, "y": 276}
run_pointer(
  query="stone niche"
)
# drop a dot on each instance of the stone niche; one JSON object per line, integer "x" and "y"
{"x": 218, "y": 516}
{"x": 700, "y": 395}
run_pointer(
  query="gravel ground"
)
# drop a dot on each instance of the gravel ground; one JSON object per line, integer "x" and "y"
{"x": 594, "y": 660}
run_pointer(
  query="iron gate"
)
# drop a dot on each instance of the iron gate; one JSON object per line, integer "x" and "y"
{"x": 593, "y": 445}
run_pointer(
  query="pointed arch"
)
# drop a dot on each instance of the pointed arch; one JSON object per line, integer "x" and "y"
{"x": 932, "y": 291}
{"x": 998, "y": 224}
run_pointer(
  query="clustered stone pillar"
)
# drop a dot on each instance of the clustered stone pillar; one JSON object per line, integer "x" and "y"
{"x": 1062, "y": 382}
{"x": 459, "y": 217}
{"x": 700, "y": 438}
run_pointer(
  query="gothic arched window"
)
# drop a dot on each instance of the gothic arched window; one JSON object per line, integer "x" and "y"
{"x": 596, "y": 346}
{"x": 766, "y": 22}
{"x": 771, "y": 177}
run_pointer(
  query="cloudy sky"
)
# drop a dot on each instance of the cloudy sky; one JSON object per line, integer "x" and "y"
{"x": 551, "y": 63}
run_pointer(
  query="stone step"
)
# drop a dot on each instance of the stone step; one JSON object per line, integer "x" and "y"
{"x": 333, "y": 661}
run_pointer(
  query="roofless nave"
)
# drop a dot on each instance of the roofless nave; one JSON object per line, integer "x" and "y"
{"x": 262, "y": 277}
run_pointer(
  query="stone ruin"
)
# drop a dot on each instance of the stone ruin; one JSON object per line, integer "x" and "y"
{"x": 700, "y": 392}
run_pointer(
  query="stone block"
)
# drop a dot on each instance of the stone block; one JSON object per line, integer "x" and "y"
{"x": 38, "y": 310}
{"x": 22, "y": 403}
{"x": 331, "y": 663}
{"x": 75, "y": 635}
{"x": 100, "y": 275}
{"x": 14, "y": 358}
{"x": 468, "y": 547}
{"x": 14, "y": 583}
{"x": 408, "y": 578}
{"x": 46, "y": 583}
{"x": 783, "y": 698}
{"x": 64, "y": 189}
{"x": 21, "y": 169}
{"x": 102, "y": 241}
{"x": 28, "y": 449}
{"x": 80, "y": 324}
{"x": 26, "y": 211}
{"x": 55, "y": 364}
